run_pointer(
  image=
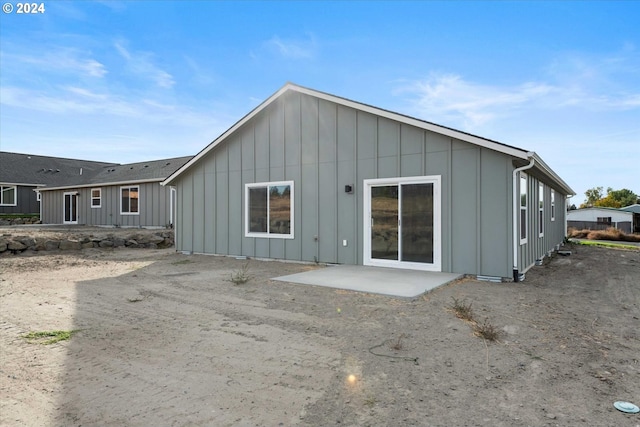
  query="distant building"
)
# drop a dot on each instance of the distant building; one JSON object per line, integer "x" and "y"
{"x": 128, "y": 195}
{"x": 599, "y": 218}
{"x": 21, "y": 174}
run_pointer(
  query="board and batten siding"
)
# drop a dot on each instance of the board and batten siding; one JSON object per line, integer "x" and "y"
{"x": 537, "y": 247}
{"x": 322, "y": 146}
{"x": 153, "y": 206}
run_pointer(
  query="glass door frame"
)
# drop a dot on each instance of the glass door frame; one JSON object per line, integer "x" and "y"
{"x": 437, "y": 223}
{"x": 73, "y": 214}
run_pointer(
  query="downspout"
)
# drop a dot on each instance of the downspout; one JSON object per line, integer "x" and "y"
{"x": 516, "y": 207}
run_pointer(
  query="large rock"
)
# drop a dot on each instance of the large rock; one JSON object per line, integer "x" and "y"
{"x": 30, "y": 242}
{"x": 106, "y": 244}
{"x": 70, "y": 245}
{"x": 3, "y": 244}
{"x": 51, "y": 245}
{"x": 16, "y": 246}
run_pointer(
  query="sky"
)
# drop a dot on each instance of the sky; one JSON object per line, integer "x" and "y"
{"x": 128, "y": 81}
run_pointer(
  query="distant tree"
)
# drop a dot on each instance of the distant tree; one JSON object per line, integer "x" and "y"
{"x": 593, "y": 195}
{"x": 608, "y": 202}
{"x": 572, "y": 207}
{"x": 625, "y": 196}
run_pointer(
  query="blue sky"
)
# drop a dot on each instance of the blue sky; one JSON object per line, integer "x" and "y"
{"x": 127, "y": 81}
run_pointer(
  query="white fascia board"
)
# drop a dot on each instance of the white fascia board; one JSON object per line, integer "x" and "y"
{"x": 551, "y": 174}
{"x": 102, "y": 184}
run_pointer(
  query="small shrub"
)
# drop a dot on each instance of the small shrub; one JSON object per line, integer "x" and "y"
{"x": 397, "y": 344}
{"x": 241, "y": 276}
{"x": 487, "y": 331}
{"x": 610, "y": 233}
{"x": 461, "y": 309}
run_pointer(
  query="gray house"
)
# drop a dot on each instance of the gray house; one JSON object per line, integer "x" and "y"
{"x": 310, "y": 176}
{"x": 128, "y": 195}
{"x": 21, "y": 174}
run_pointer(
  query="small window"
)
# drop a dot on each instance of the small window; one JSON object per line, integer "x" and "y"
{"x": 129, "y": 197}
{"x": 38, "y": 196}
{"x": 553, "y": 205}
{"x": 96, "y": 197}
{"x": 269, "y": 210}
{"x": 604, "y": 220}
{"x": 540, "y": 210}
{"x": 523, "y": 208}
{"x": 8, "y": 195}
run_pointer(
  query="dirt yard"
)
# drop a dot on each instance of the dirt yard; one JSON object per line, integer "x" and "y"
{"x": 164, "y": 339}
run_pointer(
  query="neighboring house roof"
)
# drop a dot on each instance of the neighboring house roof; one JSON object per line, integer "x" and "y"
{"x": 462, "y": 136}
{"x": 34, "y": 170}
{"x": 131, "y": 173}
{"x": 635, "y": 208}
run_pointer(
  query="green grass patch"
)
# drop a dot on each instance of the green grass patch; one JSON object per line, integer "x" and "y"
{"x": 49, "y": 337}
{"x": 606, "y": 244}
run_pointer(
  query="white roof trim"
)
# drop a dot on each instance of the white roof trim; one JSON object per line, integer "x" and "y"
{"x": 462, "y": 136}
{"x": 101, "y": 184}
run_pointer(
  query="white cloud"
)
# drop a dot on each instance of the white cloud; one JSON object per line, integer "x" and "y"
{"x": 141, "y": 64}
{"x": 294, "y": 48}
{"x": 450, "y": 97}
{"x": 59, "y": 59}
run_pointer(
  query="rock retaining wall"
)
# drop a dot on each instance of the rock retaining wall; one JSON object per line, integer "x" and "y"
{"x": 19, "y": 221}
{"x": 16, "y": 244}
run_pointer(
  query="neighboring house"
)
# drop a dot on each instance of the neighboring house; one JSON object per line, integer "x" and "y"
{"x": 599, "y": 218}
{"x": 126, "y": 195}
{"x": 310, "y": 176}
{"x": 21, "y": 174}
{"x": 635, "y": 209}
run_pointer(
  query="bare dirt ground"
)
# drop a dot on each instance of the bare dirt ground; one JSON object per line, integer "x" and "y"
{"x": 165, "y": 339}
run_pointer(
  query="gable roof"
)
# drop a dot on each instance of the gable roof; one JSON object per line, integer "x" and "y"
{"x": 131, "y": 173}
{"x": 515, "y": 152}
{"x": 34, "y": 170}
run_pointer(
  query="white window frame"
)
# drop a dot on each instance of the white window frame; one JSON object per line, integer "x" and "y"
{"x": 524, "y": 186}
{"x": 268, "y": 185}
{"x": 99, "y": 198}
{"x": 541, "y": 210}
{"x": 436, "y": 180}
{"x": 4, "y": 188}
{"x": 129, "y": 187}
{"x": 38, "y": 196}
{"x": 553, "y": 205}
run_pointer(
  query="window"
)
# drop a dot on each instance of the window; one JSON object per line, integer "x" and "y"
{"x": 604, "y": 220}
{"x": 96, "y": 197}
{"x": 8, "y": 195}
{"x": 540, "y": 210}
{"x": 38, "y": 196}
{"x": 129, "y": 200}
{"x": 269, "y": 210}
{"x": 523, "y": 208}
{"x": 553, "y": 205}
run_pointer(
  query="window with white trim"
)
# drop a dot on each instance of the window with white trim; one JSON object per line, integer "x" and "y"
{"x": 553, "y": 205}
{"x": 129, "y": 198}
{"x": 8, "y": 195}
{"x": 38, "y": 196}
{"x": 540, "y": 210}
{"x": 523, "y": 208}
{"x": 96, "y": 197}
{"x": 269, "y": 209}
